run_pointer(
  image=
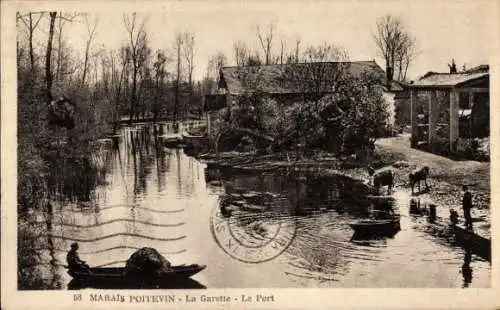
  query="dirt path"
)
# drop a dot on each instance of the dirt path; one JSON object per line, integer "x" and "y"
{"x": 402, "y": 145}
{"x": 446, "y": 179}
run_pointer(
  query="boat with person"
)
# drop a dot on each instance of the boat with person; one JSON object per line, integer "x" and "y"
{"x": 145, "y": 268}
{"x": 119, "y": 276}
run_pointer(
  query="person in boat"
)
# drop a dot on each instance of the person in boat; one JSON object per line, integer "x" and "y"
{"x": 467, "y": 206}
{"x": 74, "y": 261}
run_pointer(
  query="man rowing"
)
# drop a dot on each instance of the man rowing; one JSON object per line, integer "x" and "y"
{"x": 74, "y": 261}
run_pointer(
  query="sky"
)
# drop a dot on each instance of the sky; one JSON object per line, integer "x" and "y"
{"x": 443, "y": 29}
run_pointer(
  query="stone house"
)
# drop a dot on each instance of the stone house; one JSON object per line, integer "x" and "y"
{"x": 288, "y": 84}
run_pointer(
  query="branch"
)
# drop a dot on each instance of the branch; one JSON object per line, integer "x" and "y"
{"x": 19, "y": 16}
{"x": 69, "y": 18}
{"x": 261, "y": 39}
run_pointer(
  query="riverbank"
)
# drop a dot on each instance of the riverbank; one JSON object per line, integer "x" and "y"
{"x": 445, "y": 181}
{"x": 446, "y": 176}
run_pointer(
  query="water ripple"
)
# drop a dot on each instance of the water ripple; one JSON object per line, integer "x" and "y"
{"x": 111, "y": 236}
{"x": 134, "y": 207}
{"x": 110, "y": 249}
{"x": 113, "y": 221}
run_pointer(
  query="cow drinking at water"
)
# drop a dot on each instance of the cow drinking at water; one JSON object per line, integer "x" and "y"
{"x": 382, "y": 177}
{"x": 419, "y": 175}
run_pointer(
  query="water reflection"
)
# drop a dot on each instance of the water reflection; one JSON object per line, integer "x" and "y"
{"x": 178, "y": 284}
{"x": 466, "y": 268}
{"x": 149, "y": 195}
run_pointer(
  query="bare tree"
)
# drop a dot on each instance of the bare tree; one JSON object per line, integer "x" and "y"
{"x": 48, "y": 57}
{"x": 179, "y": 41}
{"x": 31, "y": 24}
{"x": 216, "y": 63}
{"x": 91, "y": 32}
{"x": 405, "y": 56}
{"x": 266, "y": 42}
{"x": 159, "y": 77}
{"x": 189, "y": 52}
{"x": 297, "y": 51}
{"x": 137, "y": 39}
{"x": 282, "y": 51}
{"x": 241, "y": 53}
{"x": 320, "y": 71}
{"x": 61, "y": 21}
{"x": 395, "y": 44}
{"x": 117, "y": 78}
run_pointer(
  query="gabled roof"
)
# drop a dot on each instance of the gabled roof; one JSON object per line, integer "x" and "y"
{"x": 447, "y": 80}
{"x": 396, "y": 86}
{"x": 273, "y": 78}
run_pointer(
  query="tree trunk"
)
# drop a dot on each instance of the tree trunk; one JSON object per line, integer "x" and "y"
{"x": 134, "y": 87}
{"x": 281, "y": 54}
{"x": 297, "y": 51}
{"x": 190, "y": 77}
{"x": 32, "y": 56}
{"x": 48, "y": 55}
{"x": 85, "y": 64}
{"x": 59, "y": 49}
{"x": 177, "y": 87}
{"x": 117, "y": 98}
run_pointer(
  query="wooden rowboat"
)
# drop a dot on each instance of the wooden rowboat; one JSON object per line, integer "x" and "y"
{"x": 173, "y": 141}
{"x": 117, "y": 276}
{"x": 376, "y": 226}
{"x": 477, "y": 243}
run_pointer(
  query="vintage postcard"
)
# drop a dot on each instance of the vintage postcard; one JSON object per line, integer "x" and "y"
{"x": 249, "y": 154}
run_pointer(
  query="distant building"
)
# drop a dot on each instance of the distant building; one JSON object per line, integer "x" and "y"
{"x": 277, "y": 82}
{"x": 450, "y": 108}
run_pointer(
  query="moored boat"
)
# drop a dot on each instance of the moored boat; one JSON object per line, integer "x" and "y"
{"x": 189, "y": 137}
{"x": 469, "y": 239}
{"x": 173, "y": 141}
{"x": 377, "y": 226}
{"x": 195, "y": 143}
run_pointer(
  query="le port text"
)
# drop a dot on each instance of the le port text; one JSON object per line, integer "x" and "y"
{"x": 170, "y": 298}
{"x": 227, "y": 299}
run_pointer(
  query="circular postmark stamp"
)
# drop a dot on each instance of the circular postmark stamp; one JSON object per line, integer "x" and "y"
{"x": 251, "y": 237}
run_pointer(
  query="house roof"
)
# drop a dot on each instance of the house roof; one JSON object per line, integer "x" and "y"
{"x": 447, "y": 80}
{"x": 396, "y": 86}
{"x": 273, "y": 78}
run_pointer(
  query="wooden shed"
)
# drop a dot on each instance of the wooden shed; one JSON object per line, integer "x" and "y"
{"x": 464, "y": 99}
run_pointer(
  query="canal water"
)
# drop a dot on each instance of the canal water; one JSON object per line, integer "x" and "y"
{"x": 152, "y": 196}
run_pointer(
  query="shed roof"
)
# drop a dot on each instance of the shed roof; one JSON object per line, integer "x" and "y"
{"x": 273, "y": 78}
{"x": 447, "y": 80}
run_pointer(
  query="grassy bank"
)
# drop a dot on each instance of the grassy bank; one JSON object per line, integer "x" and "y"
{"x": 446, "y": 176}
